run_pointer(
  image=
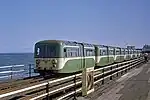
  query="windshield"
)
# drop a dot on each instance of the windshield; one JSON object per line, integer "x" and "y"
{"x": 46, "y": 51}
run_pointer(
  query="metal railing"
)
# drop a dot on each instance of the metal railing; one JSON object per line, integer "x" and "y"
{"x": 16, "y": 72}
{"x": 70, "y": 86}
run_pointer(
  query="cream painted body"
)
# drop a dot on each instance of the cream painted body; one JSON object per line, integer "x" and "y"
{"x": 60, "y": 62}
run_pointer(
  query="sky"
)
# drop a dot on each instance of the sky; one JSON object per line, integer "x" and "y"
{"x": 108, "y": 22}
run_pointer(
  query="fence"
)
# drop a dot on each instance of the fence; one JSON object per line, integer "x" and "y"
{"x": 71, "y": 86}
{"x": 16, "y": 72}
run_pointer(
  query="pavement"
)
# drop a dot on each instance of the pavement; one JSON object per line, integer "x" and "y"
{"x": 134, "y": 85}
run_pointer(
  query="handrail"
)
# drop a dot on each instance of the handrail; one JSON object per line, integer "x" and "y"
{"x": 12, "y": 70}
{"x": 11, "y": 66}
{"x": 37, "y": 86}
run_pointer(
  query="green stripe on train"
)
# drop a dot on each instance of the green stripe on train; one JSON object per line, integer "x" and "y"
{"x": 75, "y": 65}
{"x": 111, "y": 60}
{"x": 105, "y": 61}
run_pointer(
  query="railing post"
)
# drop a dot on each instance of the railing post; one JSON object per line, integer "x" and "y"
{"x": 103, "y": 75}
{"x": 11, "y": 72}
{"x": 117, "y": 70}
{"x": 111, "y": 73}
{"x": 47, "y": 91}
{"x": 87, "y": 81}
{"x": 75, "y": 88}
{"x": 29, "y": 70}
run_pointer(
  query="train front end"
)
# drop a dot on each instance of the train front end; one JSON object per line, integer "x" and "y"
{"x": 47, "y": 54}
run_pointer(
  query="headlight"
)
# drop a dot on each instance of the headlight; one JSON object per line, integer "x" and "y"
{"x": 54, "y": 61}
{"x": 37, "y": 61}
{"x": 54, "y": 65}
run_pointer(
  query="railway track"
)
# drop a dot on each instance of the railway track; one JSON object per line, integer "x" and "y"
{"x": 22, "y": 83}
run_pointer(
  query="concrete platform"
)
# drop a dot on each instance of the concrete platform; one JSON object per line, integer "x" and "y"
{"x": 134, "y": 85}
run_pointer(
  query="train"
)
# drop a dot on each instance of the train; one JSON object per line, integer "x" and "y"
{"x": 60, "y": 56}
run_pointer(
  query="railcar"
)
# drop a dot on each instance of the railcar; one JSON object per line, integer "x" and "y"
{"x": 122, "y": 56}
{"x": 117, "y": 54}
{"x": 102, "y": 57}
{"x": 134, "y": 54}
{"x": 58, "y": 56}
{"x": 126, "y": 54}
{"x": 126, "y": 57}
{"x": 129, "y": 54}
{"x": 53, "y": 56}
{"x": 139, "y": 52}
{"x": 111, "y": 52}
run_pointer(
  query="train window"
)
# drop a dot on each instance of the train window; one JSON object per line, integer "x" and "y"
{"x": 49, "y": 51}
{"x": 79, "y": 52}
{"x": 135, "y": 52}
{"x": 122, "y": 52}
{"x": 65, "y": 50}
{"x": 117, "y": 52}
{"x": 90, "y": 52}
{"x": 71, "y": 52}
{"x": 126, "y": 52}
{"x": 46, "y": 51}
{"x": 111, "y": 52}
{"x": 104, "y": 52}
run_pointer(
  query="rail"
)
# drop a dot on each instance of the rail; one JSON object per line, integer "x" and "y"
{"x": 16, "y": 71}
{"x": 70, "y": 86}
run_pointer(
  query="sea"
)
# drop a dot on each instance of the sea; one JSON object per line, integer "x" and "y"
{"x": 16, "y": 58}
{"x": 16, "y": 66}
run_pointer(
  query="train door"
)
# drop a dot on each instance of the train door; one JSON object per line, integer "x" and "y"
{"x": 97, "y": 53}
{"x": 107, "y": 50}
{"x": 82, "y": 55}
{"x": 120, "y": 54}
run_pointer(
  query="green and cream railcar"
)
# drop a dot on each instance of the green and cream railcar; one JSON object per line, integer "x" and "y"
{"x": 136, "y": 53}
{"x": 54, "y": 56}
{"x": 48, "y": 55}
{"x": 72, "y": 59}
{"x": 88, "y": 55}
{"x": 111, "y": 54}
{"x": 85, "y": 57}
{"x": 122, "y": 56}
{"x": 117, "y": 54}
{"x": 127, "y": 56}
{"x": 102, "y": 57}
{"x": 139, "y": 51}
{"x": 131, "y": 53}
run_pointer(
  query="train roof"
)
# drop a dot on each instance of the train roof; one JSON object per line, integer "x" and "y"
{"x": 101, "y": 46}
{"x": 75, "y": 43}
{"x": 50, "y": 41}
{"x": 72, "y": 43}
